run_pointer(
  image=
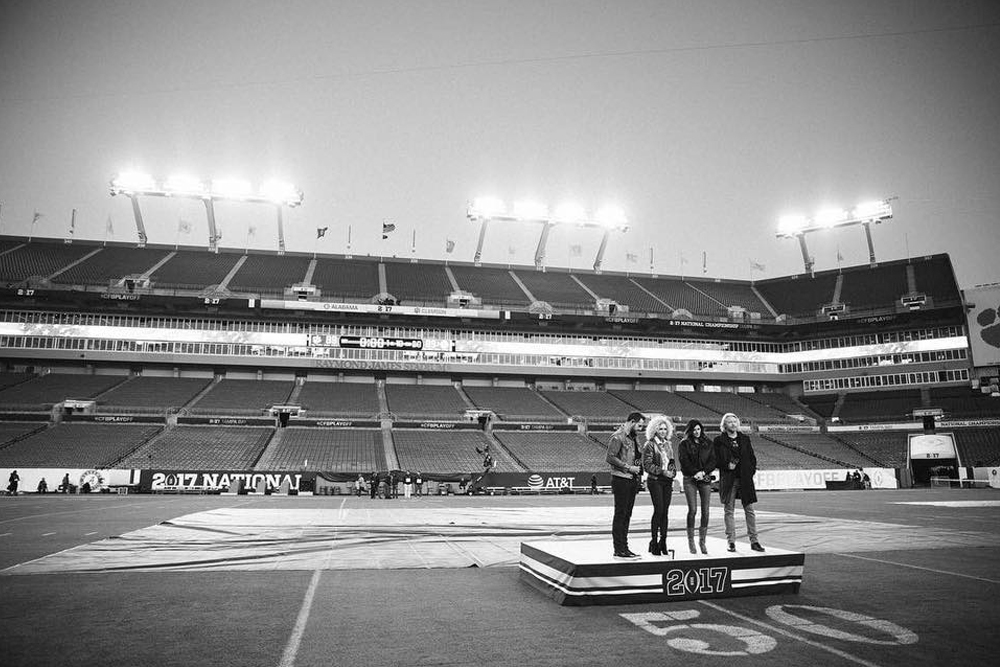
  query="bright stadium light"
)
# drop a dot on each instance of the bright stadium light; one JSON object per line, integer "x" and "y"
{"x": 130, "y": 182}
{"x": 830, "y": 218}
{"x": 184, "y": 185}
{"x": 281, "y": 192}
{"x": 134, "y": 184}
{"x": 612, "y": 217}
{"x": 485, "y": 210}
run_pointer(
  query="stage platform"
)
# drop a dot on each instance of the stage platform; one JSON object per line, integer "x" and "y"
{"x": 583, "y": 572}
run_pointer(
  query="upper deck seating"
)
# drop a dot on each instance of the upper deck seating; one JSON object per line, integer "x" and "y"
{"x": 675, "y": 405}
{"x": 445, "y": 451}
{"x": 935, "y": 278}
{"x": 873, "y": 288}
{"x": 269, "y": 274}
{"x": 77, "y": 445}
{"x": 424, "y": 401}
{"x": 880, "y": 405}
{"x": 243, "y": 397}
{"x": 151, "y": 393}
{"x": 965, "y": 402}
{"x": 202, "y": 448}
{"x": 13, "y": 430}
{"x": 597, "y": 405}
{"x": 732, "y": 294}
{"x": 38, "y": 260}
{"x": 625, "y": 292}
{"x": 678, "y": 294}
{"x": 425, "y": 283}
{"x": 46, "y": 390}
{"x": 554, "y": 451}
{"x": 513, "y": 403}
{"x": 11, "y": 379}
{"x": 111, "y": 264}
{"x": 494, "y": 286}
{"x": 781, "y": 403}
{"x": 799, "y": 296}
{"x": 195, "y": 269}
{"x": 346, "y": 278}
{"x": 339, "y": 399}
{"x": 325, "y": 450}
{"x": 557, "y": 289}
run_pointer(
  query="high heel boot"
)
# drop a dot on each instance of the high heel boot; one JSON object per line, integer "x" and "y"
{"x": 663, "y": 545}
{"x": 702, "y": 534}
{"x": 654, "y": 546}
{"x": 691, "y": 540}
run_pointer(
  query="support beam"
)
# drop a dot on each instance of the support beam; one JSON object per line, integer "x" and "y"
{"x": 805, "y": 254}
{"x": 213, "y": 237}
{"x": 139, "y": 226}
{"x": 600, "y": 251}
{"x": 281, "y": 231}
{"x": 543, "y": 240}
{"x": 871, "y": 246}
{"x": 483, "y": 222}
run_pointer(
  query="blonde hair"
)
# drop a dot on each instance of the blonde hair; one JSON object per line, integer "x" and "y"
{"x": 722, "y": 424}
{"x": 654, "y": 425}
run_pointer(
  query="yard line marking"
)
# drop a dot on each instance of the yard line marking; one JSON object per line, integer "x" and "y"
{"x": 792, "y": 635}
{"x": 47, "y": 534}
{"x": 292, "y": 649}
{"x": 5, "y": 534}
{"x": 920, "y": 567}
{"x": 89, "y": 534}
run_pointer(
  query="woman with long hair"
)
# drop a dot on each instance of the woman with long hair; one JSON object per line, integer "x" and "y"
{"x": 658, "y": 462}
{"x": 696, "y": 454}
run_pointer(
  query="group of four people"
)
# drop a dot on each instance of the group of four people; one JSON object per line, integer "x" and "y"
{"x": 730, "y": 453}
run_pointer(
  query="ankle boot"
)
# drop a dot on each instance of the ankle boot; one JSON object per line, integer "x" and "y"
{"x": 691, "y": 541}
{"x": 702, "y": 534}
{"x": 663, "y": 545}
{"x": 654, "y": 547}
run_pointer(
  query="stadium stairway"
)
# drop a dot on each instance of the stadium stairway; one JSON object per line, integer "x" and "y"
{"x": 861, "y": 453}
{"x": 803, "y": 450}
{"x": 465, "y": 397}
{"x": 388, "y": 444}
{"x": 267, "y": 454}
{"x": 148, "y": 442}
{"x": 552, "y": 405}
{"x": 201, "y": 394}
{"x": 505, "y": 455}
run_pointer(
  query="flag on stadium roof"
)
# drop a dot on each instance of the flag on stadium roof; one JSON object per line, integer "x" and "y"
{"x": 386, "y": 228}
{"x": 511, "y": 250}
{"x": 251, "y": 231}
{"x": 631, "y": 257}
{"x": 183, "y": 226}
{"x": 449, "y": 246}
{"x": 321, "y": 232}
{"x": 110, "y": 226}
{"x": 757, "y": 266}
{"x": 704, "y": 262}
{"x": 576, "y": 250}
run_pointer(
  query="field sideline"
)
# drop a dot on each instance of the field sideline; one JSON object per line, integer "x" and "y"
{"x": 891, "y": 577}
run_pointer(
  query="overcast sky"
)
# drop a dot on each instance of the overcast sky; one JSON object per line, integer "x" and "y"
{"x": 705, "y": 120}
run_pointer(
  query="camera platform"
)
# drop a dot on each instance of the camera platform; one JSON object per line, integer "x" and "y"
{"x": 583, "y": 572}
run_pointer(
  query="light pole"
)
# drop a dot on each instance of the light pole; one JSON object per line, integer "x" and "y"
{"x": 136, "y": 184}
{"x": 797, "y": 226}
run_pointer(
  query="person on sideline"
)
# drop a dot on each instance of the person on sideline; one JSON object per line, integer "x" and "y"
{"x": 658, "y": 462}
{"x": 696, "y": 455}
{"x": 625, "y": 458}
{"x": 737, "y": 465}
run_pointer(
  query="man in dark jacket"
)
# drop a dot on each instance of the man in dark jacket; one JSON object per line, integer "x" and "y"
{"x": 737, "y": 466}
{"x": 625, "y": 458}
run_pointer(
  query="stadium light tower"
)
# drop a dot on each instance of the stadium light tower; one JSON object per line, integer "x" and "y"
{"x": 488, "y": 209}
{"x": 797, "y": 226}
{"x": 136, "y": 184}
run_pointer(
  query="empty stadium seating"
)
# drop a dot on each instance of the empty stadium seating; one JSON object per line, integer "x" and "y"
{"x": 961, "y": 402}
{"x": 723, "y": 402}
{"x": 46, "y": 390}
{"x": 111, "y": 264}
{"x": 880, "y": 405}
{"x": 77, "y": 445}
{"x": 799, "y": 296}
{"x": 823, "y": 405}
{"x": 775, "y": 455}
{"x": 445, "y": 451}
{"x": 678, "y": 294}
{"x": 824, "y": 447}
{"x": 732, "y": 294}
{"x": 151, "y": 394}
{"x": 880, "y": 287}
{"x": 935, "y": 278}
{"x": 346, "y": 278}
{"x": 494, "y": 286}
{"x": 594, "y": 405}
{"x": 669, "y": 403}
{"x": 38, "y": 260}
{"x": 624, "y": 291}
{"x": 557, "y": 289}
{"x": 978, "y": 446}
{"x": 424, "y": 401}
{"x": 195, "y": 269}
{"x": 268, "y": 274}
{"x": 339, "y": 399}
{"x": 201, "y": 448}
{"x": 325, "y": 450}
{"x": 511, "y": 403}
{"x": 242, "y": 397}
{"x": 889, "y": 448}
{"x": 554, "y": 451}
{"x": 424, "y": 283}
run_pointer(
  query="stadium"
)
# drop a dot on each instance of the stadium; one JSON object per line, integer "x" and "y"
{"x": 326, "y": 327}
